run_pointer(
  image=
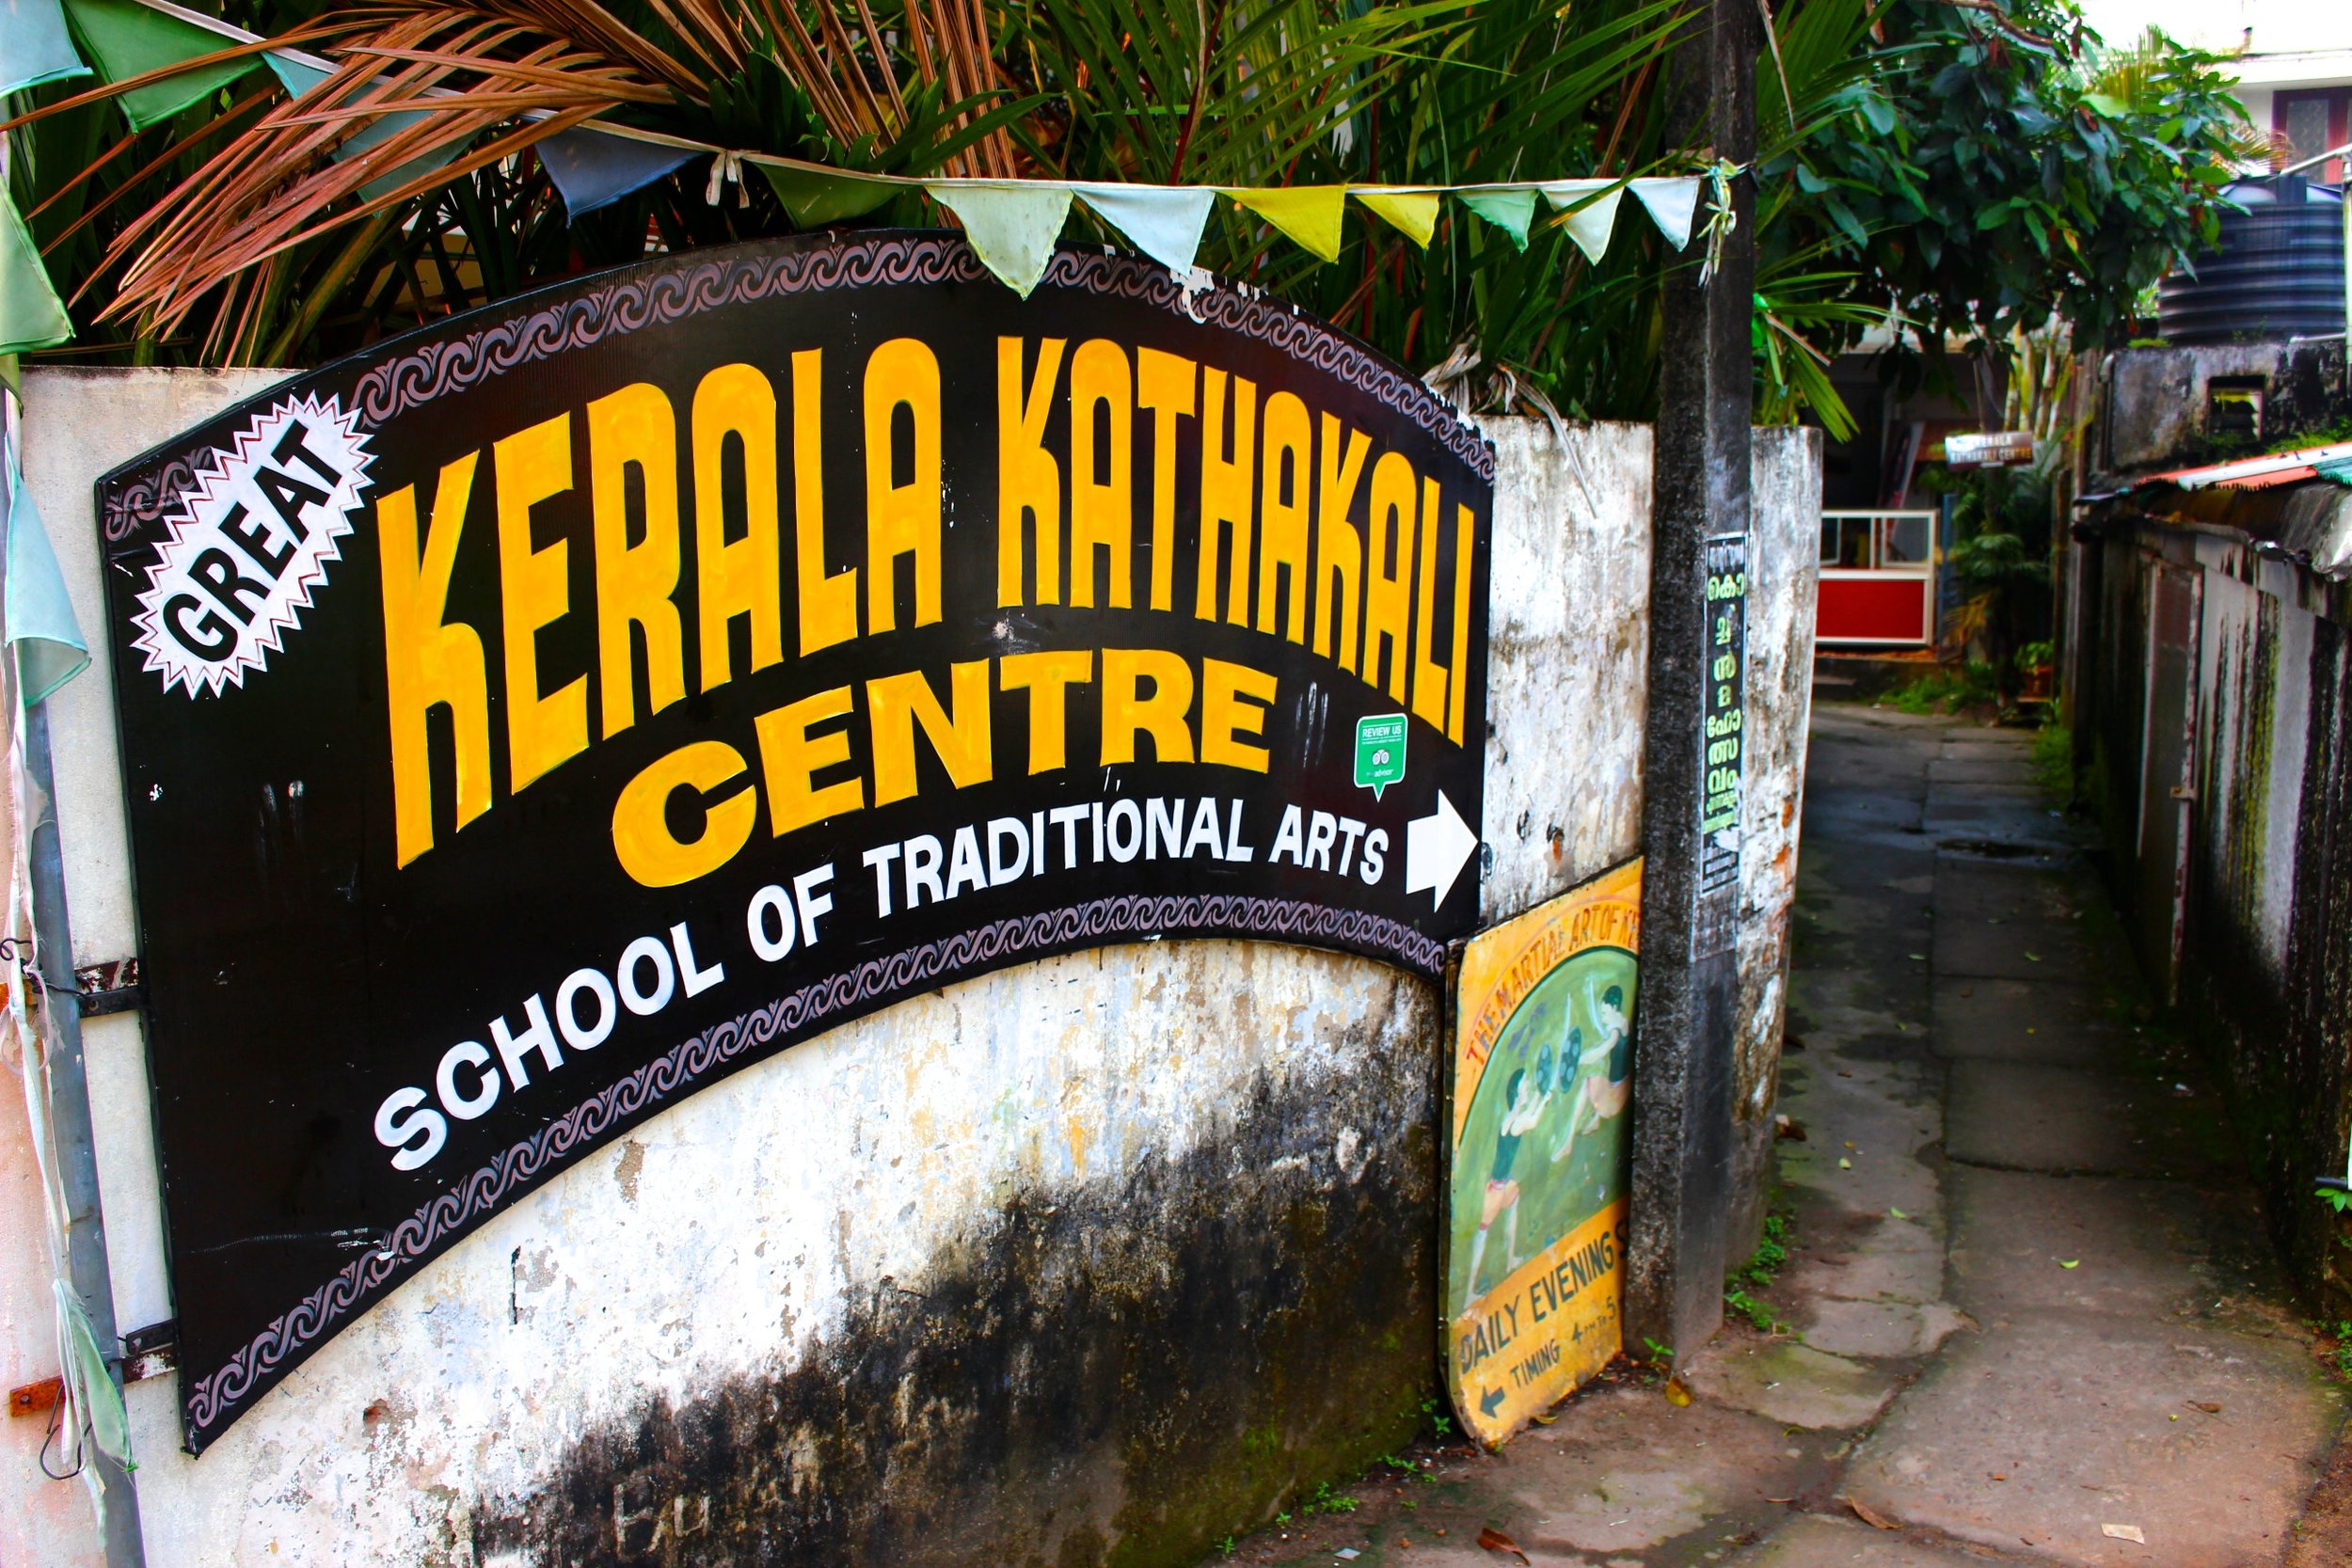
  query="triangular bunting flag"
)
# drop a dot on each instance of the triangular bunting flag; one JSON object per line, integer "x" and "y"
{"x": 1162, "y": 221}
{"x": 813, "y": 198}
{"x": 1012, "y": 224}
{"x": 1591, "y": 206}
{"x": 47, "y": 640}
{"x": 298, "y": 78}
{"x": 1671, "y": 203}
{"x": 594, "y": 170}
{"x": 1510, "y": 210}
{"x": 35, "y": 46}
{"x": 1310, "y": 214}
{"x": 126, "y": 39}
{"x": 31, "y": 315}
{"x": 1413, "y": 213}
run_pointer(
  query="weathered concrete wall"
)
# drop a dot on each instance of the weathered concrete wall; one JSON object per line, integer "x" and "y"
{"x": 1568, "y": 655}
{"x": 2153, "y": 401}
{"x": 1783, "y": 574}
{"x": 1093, "y": 1261}
{"x": 2265, "y": 972}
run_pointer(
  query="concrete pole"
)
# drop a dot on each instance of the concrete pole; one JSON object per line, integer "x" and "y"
{"x": 69, "y": 1116}
{"x": 1682, "y": 1081}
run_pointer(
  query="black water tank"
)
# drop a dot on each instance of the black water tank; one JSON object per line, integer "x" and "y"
{"x": 2279, "y": 273}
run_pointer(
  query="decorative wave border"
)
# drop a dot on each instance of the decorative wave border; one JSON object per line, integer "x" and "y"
{"x": 626, "y": 305}
{"x": 686, "y": 1066}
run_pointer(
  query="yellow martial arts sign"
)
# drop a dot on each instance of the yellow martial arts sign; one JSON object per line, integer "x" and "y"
{"x": 1541, "y": 1074}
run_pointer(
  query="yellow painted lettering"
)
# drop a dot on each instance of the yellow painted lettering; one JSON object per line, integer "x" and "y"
{"x": 1227, "y": 468}
{"x": 1465, "y": 543}
{"x": 738, "y": 578}
{"x": 1163, "y": 384}
{"x": 1282, "y": 513}
{"x": 1429, "y": 676}
{"x": 1389, "y": 572}
{"x": 1101, "y": 512}
{"x": 648, "y": 851}
{"x": 1234, "y": 702}
{"x": 428, "y": 661}
{"x": 827, "y": 604}
{"x": 894, "y": 704}
{"x": 635, "y": 427}
{"x": 790, "y": 758}
{"x": 1047, "y": 677}
{"x": 1339, "y": 546}
{"x": 1161, "y": 714}
{"x": 535, "y": 591}
{"x": 1028, "y": 480}
{"x": 901, "y": 519}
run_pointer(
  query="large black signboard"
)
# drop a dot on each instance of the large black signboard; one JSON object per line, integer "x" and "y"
{"x": 531, "y": 720}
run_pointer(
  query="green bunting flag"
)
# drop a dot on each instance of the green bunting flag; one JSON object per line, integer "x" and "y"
{"x": 1591, "y": 211}
{"x": 35, "y": 46}
{"x": 1162, "y": 221}
{"x": 1413, "y": 213}
{"x": 126, "y": 39}
{"x": 1012, "y": 224}
{"x": 1671, "y": 203}
{"x": 42, "y": 631}
{"x": 815, "y": 197}
{"x": 31, "y": 315}
{"x": 1510, "y": 210}
{"x": 1310, "y": 214}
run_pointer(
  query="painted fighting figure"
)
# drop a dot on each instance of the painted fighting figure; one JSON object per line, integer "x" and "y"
{"x": 1520, "y": 1117}
{"x": 1607, "y": 1091}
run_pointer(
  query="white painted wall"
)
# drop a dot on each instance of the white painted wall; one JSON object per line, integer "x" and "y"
{"x": 727, "y": 1235}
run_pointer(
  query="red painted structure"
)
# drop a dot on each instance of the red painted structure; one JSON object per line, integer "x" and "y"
{"x": 1878, "y": 579}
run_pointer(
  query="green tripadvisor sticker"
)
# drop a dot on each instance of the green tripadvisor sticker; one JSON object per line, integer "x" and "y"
{"x": 1379, "y": 751}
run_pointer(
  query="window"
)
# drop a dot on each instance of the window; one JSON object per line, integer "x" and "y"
{"x": 2316, "y": 121}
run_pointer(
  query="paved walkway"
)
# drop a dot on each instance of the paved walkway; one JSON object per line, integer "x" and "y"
{"x": 2037, "y": 1319}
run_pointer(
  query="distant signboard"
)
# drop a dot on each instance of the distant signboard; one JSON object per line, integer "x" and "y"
{"x": 529, "y": 721}
{"x": 1987, "y": 449}
{"x": 1540, "y": 1075}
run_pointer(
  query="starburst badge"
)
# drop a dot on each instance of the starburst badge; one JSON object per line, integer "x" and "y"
{"x": 250, "y": 540}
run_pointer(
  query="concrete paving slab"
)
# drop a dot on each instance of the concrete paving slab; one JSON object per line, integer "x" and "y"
{"x": 1790, "y": 1383}
{"x": 1969, "y": 770}
{"x": 1878, "y": 1330}
{"x": 2011, "y": 949}
{"x": 1817, "y": 1540}
{"x": 2138, "y": 1248}
{"x": 1974, "y": 889}
{"x": 2029, "y": 1439}
{"x": 1885, "y": 1271}
{"x": 2016, "y": 1115}
{"x": 2057, "y": 1021}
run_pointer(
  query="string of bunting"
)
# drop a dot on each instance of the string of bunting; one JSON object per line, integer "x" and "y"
{"x": 1013, "y": 225}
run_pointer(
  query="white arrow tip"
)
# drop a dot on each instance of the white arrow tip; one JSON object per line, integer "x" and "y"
{"x": 1437, "y": 847}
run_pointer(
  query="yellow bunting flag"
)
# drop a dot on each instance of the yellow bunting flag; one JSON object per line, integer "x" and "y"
{"x": 1413, "y": 213}
{"x": 1310, "y": 214}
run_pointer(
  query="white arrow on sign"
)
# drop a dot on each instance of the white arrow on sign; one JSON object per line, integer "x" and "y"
{"x": 1435, "y": 849}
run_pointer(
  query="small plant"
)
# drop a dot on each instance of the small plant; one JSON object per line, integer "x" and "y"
{"x": 1326, "y": 1500}
{"x": 1662, "y": 1354}
{"x": 1946, "y": 690}
{"x": 2053, "y": 759}
{"x": 2339, "y": 1354}
{"x": 2337, "y": 1198}
{"x": 1439, "y": 1422}
{"x": 1758, "y": 1316}
{"x": 1226, "y": 1545}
